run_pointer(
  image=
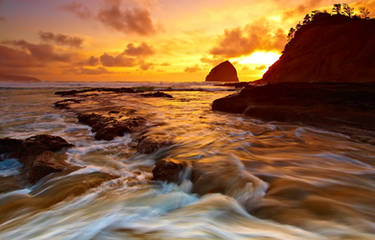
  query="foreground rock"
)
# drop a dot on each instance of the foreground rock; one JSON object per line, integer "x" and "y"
{"x": 157, "y": 94}
{"x": 107, "y": 128}
{"x": 152, "y": 143}
{"x": 217, "y": 176}
{"x": 40, "y": 155}
{"x": 65, "y": 104}
{"x": 325, "y": 105}
{"x": 114, "y": 90}
{"x": 224, "y": 72}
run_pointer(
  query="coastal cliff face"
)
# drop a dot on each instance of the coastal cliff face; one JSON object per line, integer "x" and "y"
{"x": 325, "y": 78}
{"x": 329, "y": 49}
{"x": 224, "y": 72}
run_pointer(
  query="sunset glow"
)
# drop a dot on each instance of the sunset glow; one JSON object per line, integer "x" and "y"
{"x": 266, "y": 58}
{"x": 145, "y": 40}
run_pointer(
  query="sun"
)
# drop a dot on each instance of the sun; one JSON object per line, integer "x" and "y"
{"x": 261, "y": 58}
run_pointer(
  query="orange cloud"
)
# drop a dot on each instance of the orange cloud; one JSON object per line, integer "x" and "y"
{"x": 117, "y": 61}
{"x": 142, "y": 50}
{"x": 61, "y": 39}
{"x": 15, "y": 58}
{"x": 77, "y": 9}
{"x": 260, "y": 35}
{"x": 192, "y": 69}
{"x": 145, "y": 66}
{"x": 92, "y": 71}
{"x": 41, "y": 52}
{"x": 130, "y": 20}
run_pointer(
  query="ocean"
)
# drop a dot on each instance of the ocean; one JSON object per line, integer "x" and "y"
{"x": 312, "y": 183}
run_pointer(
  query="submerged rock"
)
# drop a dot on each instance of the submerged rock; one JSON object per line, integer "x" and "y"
{"x": 152, "y": 143}
{"x": 64, "y": 104}
{"x": 168, "y": 171}
{"x": 47, "y": 162}
{"x": 221, "y": 176}
{"x": 107, "y": 128}
{"x": 157, "y": 94}
{"x": 224, "y": 72}
{"x": 114, "y": 90}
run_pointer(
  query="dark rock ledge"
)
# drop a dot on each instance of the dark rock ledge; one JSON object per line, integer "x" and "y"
{"x": 329, "y": 105}
{"x": 40, "y": 155}
{"x": 107, "y": 128}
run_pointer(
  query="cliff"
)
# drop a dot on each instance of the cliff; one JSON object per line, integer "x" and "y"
{"x": 224, "y": 72}
{"x": 328, "y": 49}
{"x": 325, "y": 78}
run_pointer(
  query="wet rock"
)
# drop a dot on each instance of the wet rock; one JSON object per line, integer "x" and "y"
{"x": 64, "y": 104}
{"x": 216, "y": 176}
{"x": 329, "y": 105}
{"x": 33, "y": 146}
{"x": 168, "y": 171}
{"x": 224, "y": 72}
{"x": 107, "y": 128}
{"x": 157, "y": 94}
{"x": 38, "y": 154}
{"x": 40, "y": 143}
{"x": 45, "y": 163}
{"x": 10, "y": 148}
{"x": 236, "y": 85}
{"x": 114, "y": 112}
{"x": 152, "y": 143}
{"x": 114, "y": 90}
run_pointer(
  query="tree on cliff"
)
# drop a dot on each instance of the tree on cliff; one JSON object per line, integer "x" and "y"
{"x": 336, "y": 8}
{"x": 365, "y": 13}
{"x": 348, "y": 11}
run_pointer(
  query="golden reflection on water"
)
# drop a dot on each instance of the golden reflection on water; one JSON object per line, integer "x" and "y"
{"x": 319, "y": 181}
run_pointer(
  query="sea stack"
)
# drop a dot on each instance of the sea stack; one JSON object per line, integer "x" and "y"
{"x": 224, "y": 72}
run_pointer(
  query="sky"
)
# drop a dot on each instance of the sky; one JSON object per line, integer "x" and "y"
{"x": 146, "y": 40}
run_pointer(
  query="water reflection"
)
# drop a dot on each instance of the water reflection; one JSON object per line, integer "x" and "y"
{"x": 320, "y": 183}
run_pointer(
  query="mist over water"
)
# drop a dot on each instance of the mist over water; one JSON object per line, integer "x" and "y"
{"x": 308, "y": 183}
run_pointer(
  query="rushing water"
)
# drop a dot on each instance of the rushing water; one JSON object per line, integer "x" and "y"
{"x": 321, "y": 184}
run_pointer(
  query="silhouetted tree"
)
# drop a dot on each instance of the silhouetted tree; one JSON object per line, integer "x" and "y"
{"x": 348, "y": 11}
{"x": 307, "y": 19}
{"x": 336, "y": 8}
{"x": 291, "y": 34}
{"x": 314, "y": 12}
{"x": 365, "y": 13}
{"x": 298, "y": 26}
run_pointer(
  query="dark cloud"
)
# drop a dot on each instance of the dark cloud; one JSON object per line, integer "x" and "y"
{"x": 141, "y": 50}
{"x": 2, "y": 19}
{"x": 117, "y": 61}
{"x": 78, "y": 9}
{"x": 260, "y": 35}
{"x": 41, "y": 52}
{"x": 61, "y": 39}
{"x": 15, "y": 58}
{"x": 91, "y": 61}
{"x": 130, "y": 20}
{"x": 192, "y": 69}
{"x": 165, "y": 64}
